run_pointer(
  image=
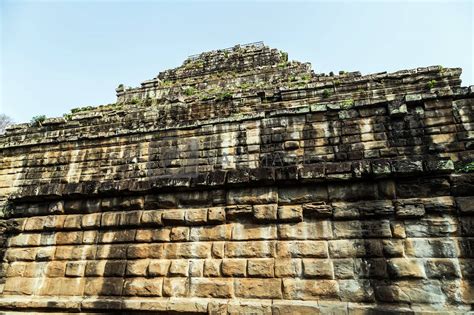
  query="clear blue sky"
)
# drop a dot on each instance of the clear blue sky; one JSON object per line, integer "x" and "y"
{"x": 56, "y": 55}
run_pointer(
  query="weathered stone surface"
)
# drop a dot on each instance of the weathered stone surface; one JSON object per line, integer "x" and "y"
{"x": 242, "y": 183}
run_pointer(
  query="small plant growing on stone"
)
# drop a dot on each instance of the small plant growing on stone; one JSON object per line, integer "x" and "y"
{"x": 326, "y": 93}
{"x": 284, "y": 56}
{"x": 223, "y": 96}
{"x": 431, "y": 84}
{"x": 38, "y": 120}
{"x": 190, "y": 91}
{"x": 134, "y": 101}
{"x": 465, "y": 167}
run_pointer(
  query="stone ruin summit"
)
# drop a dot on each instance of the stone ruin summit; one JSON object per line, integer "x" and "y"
{"x": 241, "y": 182}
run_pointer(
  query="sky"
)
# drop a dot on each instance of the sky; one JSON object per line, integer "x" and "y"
{"x": 57, "y": 55}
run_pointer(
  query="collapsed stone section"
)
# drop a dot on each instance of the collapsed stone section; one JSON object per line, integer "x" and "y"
{"x": 300, "y": 193}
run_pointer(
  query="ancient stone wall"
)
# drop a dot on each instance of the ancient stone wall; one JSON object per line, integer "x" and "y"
{"x": 244, "y": 183}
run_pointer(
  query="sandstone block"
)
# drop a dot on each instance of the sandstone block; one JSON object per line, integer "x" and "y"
{"x": 173, "y": 217}
{"x": 263, "y": 268}
{"x": 75, "y": 268}
{"x": 137, "y": 268}
{"x": 362, "y": 229}
{"x": 411, "y": 292}
{"x": 409, "y": 210}
{"x": 258, "y": 288}
{"x": 211, "y": 233}
{"x": 317, "y": 209}
{"x": 344, "y": 268}
{"x": 143, "y": 287}
{"x": 91, "y": 221}
{"x": 179, "y": 233}
{"x": 90, "y": 237}
{"x": 73, "y": 222}
{"x": 443, "y": 268}
{"x": 187, "y": 250}
{"x": 253, "y": 232}
{"x": 218, "y": 250}
{"x": 21, "y": 254}
{"x": 287, "y": 268}
{"x": 196, "y": 268}
{"x": 296, "y": 289}
{"x": 393, "y": 248}
{"x": 216, "y": 215}
{"x": 251, "y": 196}
{"x": 130, "y": 218}
{"x": 160, "y": 234}
{"x": 356, "y": 291}
{"x": 45, "y": 253}
{"x": 295, "y": 307}
{"x": 110, "y": 219}
{"x": 115, "y": 251}
{"x": 212, "y": 268}
{"x": 120, "y": 236}
{"x": 265, "y": 212}
{"x": 465, "y": 204}
{"x": 196, "y": 216}
{"x": 19, "y": 269}
{"x": 234, "y": 267}
{"x": 103, "y": 286}
{"x": 19, "y": 286}
{"x": 317, "y": 268}
{"x": 175, "y": 287}
{"x": 145, "y": 251}
{"x": 158, "y": 267}
{"x": 298, "y": 249}
{"x": 356, "y": 248}
{"x": 211, "y": 288}
{"x": 305, "y": 194}
{"x": 55, "y": 269}
{"x": 151, "y": 218}
{"x": 406, "y": 268}
{"x": 293, "y": 213}
{"x": 435, "y": 248}
{"x": 62, "y": 286}
{"x": 305, "y": 230}
{"x": 250, "y": 249}
{"x": 179, "y": 268}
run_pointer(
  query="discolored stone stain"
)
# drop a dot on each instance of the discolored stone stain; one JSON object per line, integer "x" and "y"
{"x": 241, "y": 182}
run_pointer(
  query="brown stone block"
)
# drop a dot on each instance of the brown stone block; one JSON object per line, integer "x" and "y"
{"x": 73, "y": 222}
{"x": 393, "y": 248}
{"x": 175, "y": 287}
{"x": 305, "y": 230}
{"x": 103, "y": 286}
{"x": 293, "y": 213}
{"x": 465, "y": 204}
{"x": 432, "y": 248}
{"x": 318, "y": 268}
{"x": 130, "y": 218}
{"x": 258, "y": 288}
{"x": 212, "y": 268}
{"x": 406, "y": 268}
{"x": 120, "y": 236}
{"x": 211, "y": 233}
{"x": 111, "y": 219}
{"x": 297, "y": 249}
{"x": 55, "y": 269}
{"x": 24, "y": 239}
{"x": 19, "y": 286}
{"x": 253, "y": 232}
{"x": 160, "y": 234}
{"x": 173, "y": 217}
{"x": 443, "y": 268}
{"x": 411, "y": 292}
{"x": 234, "y": 267}
{"x": 19, "y": 269}
{"x": 90, "y": 237}
{"x": 179, "y": 268}
{"x": 19, "y": 254}
{"x": 179, "y": 233}
{"x": 362, "y": 229}
{"x": 217, "y": 250}
{"x": 263, "y": 267}
{"x": 356, "y": 248}
{"x": 152, "y": 218}
{"x": 158, "y": 267}
{"x": 216, "y": 215}
{"x": 310, "y": 289}
{"x": 287, "y": 268}
{"x": 265, "y": 212}
{"x": 35, "y": 224}
{"x": 115, "y": 251}
{"x": 187, "y": 250}
{"x": 45, "y": 253}
{"x": 258, "y": 249}
{"x": 145, "y": 251}
{"x": 252, "y": 196}
{"x": 137, "y": 268}
{"x": 75, "y": 269}
{"x": 344, "y": 268}
{"x": 91, "y": 221}
{"x": 196, "y": 216}
{"x": 295, "y": 307}
{"x": 143, "y": 287}
{"x": 67, "y": 238}
{"x": 211, "y": 288}
{"x": 356, "y": 291}
{"x": 302, "y": 194}
{"x": 62, "y": 287}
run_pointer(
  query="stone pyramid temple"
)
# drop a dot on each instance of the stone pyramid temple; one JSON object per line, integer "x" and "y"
{"x": 241, "y": 182}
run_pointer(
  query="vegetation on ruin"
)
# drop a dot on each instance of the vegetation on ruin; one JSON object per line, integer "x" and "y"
{"x": 431, "y": 84}
{"x": 464, "y": 167}
{"x": 37, "y": 120}
{"x": 326, "y": 93}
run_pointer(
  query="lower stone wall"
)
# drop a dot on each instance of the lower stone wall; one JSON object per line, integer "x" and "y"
{"x": 368, "y": 246}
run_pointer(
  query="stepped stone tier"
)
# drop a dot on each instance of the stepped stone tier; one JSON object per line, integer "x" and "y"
{"x": 241, "y": 182}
